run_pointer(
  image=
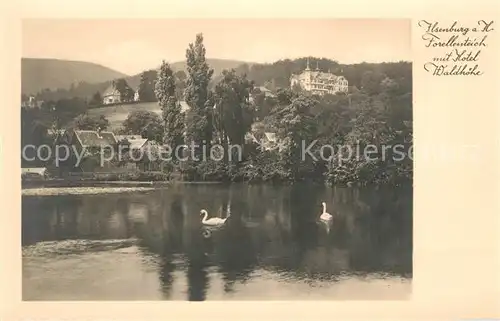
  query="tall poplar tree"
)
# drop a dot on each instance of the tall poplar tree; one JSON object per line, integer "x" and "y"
{"x": 197, "y": 96}
{"x": 171, "y": 110}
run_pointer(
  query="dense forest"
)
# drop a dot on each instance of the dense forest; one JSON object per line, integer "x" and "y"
{"x": 376, "y": 112}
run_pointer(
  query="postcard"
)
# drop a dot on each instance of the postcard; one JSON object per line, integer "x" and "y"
{"x": 263, "y": 164}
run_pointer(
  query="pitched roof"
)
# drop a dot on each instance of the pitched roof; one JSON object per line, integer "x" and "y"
{"x": 129, "y": 137}
{"x": 93, "y": 138}
{"x": 153, "y": 150}
{"x": 251, "y": 137}
{"x": 109, "y": 137}
{"x": 111, "y": 91}
{"x": 266, "y": 91}
{"x": 136, "y": 141}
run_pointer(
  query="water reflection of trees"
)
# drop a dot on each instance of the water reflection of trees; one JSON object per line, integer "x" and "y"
{"x": 74, "y": 217}
{"x": 380, "y": 228}
{"x": 49, "y": 218}
{"x": 272, "y": 228}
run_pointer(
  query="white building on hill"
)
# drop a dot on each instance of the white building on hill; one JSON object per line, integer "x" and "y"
{"x": 111, "y": 95}
{"x": 318, "y": 82}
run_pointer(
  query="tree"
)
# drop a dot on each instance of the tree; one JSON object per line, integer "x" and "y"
{"x": 233, "y": 116}
{"x": 126, "y": 93}
{"x": 173, "y": 119}
{"x": 180, "y": 84}
{"x": 371, "y": 82}
{"x": 147, "y": 86}
{"x": 87, "y": 122}
{"x": 96, "y": 99}
{"x": 295, "y": 126}
{"x": 199, "y": 120}
{"x": 296, "y": 88}
{"x": 333, "y": 116}
{"x": 180, "y": 75}
{"x": 56, "y": 115}
{"x": 148, "y": 124}
{"x": 285, "y": 97}
{"x": 34, "y": 129}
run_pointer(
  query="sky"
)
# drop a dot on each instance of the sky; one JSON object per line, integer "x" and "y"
{"x": 133, "y": 45}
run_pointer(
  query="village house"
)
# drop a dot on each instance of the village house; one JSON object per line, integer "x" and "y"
{"x": 267, "y": 93}
{"x": 134, "y": 141}
{"x": 267, "y": 141}
{"x": 318, "y": 82}
{"x": 106, "y": 152}
{"x": 112, "y": 96}
{"x": 147, "y": 153}
{"x": 93, "y": 143}
{"x": 130, "y": 144}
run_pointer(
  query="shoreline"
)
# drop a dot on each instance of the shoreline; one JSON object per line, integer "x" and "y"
{"x": 89, "y": 183}
{"x": 91, "y": 187}
{"x": 78, "y": 187}
{"x": 61, "y": 191}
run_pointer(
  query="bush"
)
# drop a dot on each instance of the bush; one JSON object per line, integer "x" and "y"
{"x": 151, "y": 176}
{"x": 205, "y": 171}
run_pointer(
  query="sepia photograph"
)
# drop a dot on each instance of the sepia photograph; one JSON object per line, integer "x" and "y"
{"x": 216, "y": 159}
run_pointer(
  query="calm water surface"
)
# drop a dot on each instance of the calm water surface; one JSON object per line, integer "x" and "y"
{"x": 152, "y": 246}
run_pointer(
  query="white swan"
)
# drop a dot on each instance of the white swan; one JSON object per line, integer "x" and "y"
{"x": 325, "y": 216}
{"x": 214, "y": 221}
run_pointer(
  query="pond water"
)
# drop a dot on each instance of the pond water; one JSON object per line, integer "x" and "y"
{"x": 151, "y": 245}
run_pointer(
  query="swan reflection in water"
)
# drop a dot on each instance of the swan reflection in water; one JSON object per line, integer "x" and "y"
{"x": 269, "y": 235}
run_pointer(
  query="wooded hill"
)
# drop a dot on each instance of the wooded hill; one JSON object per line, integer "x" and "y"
{"x": 52, "y": 79}
{"x": 273, "y": 76}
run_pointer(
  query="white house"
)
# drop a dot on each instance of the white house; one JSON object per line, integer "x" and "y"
{"x": 111, "y": 96}
{"x": 318, "y": 82}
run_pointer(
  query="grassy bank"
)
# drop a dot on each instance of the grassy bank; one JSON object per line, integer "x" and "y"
{"x": 54, "y": 191}
{"x": 63, "y": 183}
{"x": 133, "y": 179}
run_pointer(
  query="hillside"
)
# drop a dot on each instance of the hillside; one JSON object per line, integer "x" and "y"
{"x": 38, "y": 74}
{"x": 272, "y": 75}
{"x": 218, "y": 65}
{"x": 89, "y": 88}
